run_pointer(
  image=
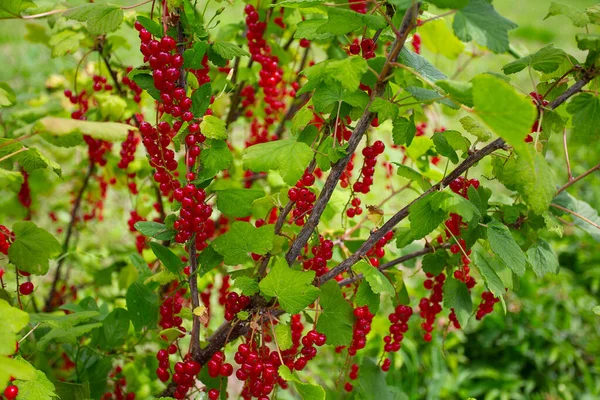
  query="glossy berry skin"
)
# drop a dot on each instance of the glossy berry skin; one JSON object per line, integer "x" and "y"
{"x": 11, "y": 392}
{"x": 26, "y": 288}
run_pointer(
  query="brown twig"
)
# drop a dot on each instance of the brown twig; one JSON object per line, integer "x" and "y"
{"x": 363, "y": 124}
{"x": 68, "y": 235}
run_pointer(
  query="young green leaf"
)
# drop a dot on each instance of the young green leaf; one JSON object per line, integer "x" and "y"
{"x": 547, "y": 59}
{"x": 33, "y": 248}
{"x": 366, "y": 297}
{"x": 142, "y": 305}
{"x": 201, "y": 100}
{"x": 213, "y": 127}
{"x": 542, "y": 259}
{"x": 242, "y": 239}
{"x": 579, "y": 17}
{"x": 237, "y": 202}
{"x": 457, "y": 296}
{"x": 378, "y": 281}
{"x": 504, "y": 245}
{"x": 288, "y": 157}
{"x": 479, "y": 21}
{"x": 434, "y": 263}
{"x": 585, "y": 109}
{"x": 169, "y": 259}
{"x": 155, "y": 230}
{"x": 293, "y": 289}
{"x": 228, "y": 50}
{"x": 337, "y": 316}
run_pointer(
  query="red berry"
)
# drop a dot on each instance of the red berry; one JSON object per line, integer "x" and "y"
{"x": 26, "y": 288}
{"x": 11, "y": 392}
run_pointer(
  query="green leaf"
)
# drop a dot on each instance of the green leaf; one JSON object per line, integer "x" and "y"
{"x": 372, "y": 382}
{"x": 11, "y": 180}
{"x": 246, "y": 285}
{"x": 109, "y": 131}
{"x": 454, "y": 203}
{"x": 489, "y": 267}
{"x": 201, "y": 101}
{"x": 588, "y": 41}
{"x": 65, "y": 42}
{"x": 585, "y": 109}
{"x": 66, "y": 336}
{"x": 100, "y": 18}
{"x": 288, "y": 157}
{"x": 167, "y": 258}
{"x": 72, "y": 391}
{"x": 208, "y": 260}
{"x": 305, "y": 390}
{"x": 443, "y": 147}
{"x": 547, "y": 60}
{"x": 439, "y": 39}
{"x": 237, "y": 202}
{"x": 7, "y": 95}
{"x": 366, "y": 297}
{"x": 429, "y": 96}
{"x": 425, "y": 215}
{"x": 457, "y": 141}
{"x": 457, "y": 296}
{"x": 64, "y": 322}
{"x": 577, "y": 16}
{"x": 504, "y": 245}
{"x": 404, "y": 131}
{"x": 342, "y": 21}
{"x": 14, "y": 321}
{"x": 11, "y": 9}
{"x": 144, "y": 80}
{"x": 38, "y": 388}
{"x": 214, "y": 159}
{"x": 114, "y": 328}
{"x": 434, "y": 263}
{"x": 142, "y": 305}
{"x": 327, "y": 98}
{"x": 283, "y": 334}
{"x": 454, "y": 4}
{"x": 385, "y": 110}
{"x": 15, "y": 368}
{"x": 241, "y": 239}
{"x": 32, "y": 248}
{"x": 151, "y": 26}
{"x": 509, "y": 114}
{"x": 228, "y": 50}
{"x": 530, "y": 175}
{"x": 346, "y": 72}
{"x": 192, "y": 58}
{"x": 309, "y": 29}
{"x": 542, "y": 258}
{"x": 458, "y": 91}
{"x": 155, "y": 230}
{"x": 337, "y": 318}
{"x": 475, "y": 129}
{"x": 421, "y": 65}
{"x": 413, "y": 175}
{"x": 213, "y": 127}
{"x": 379, "y": 282}
{"x": 404, "y": 237}
{"x": 582, "y": 208}
{"x": 293, "y": 289}
{"x": 479, "y": 21}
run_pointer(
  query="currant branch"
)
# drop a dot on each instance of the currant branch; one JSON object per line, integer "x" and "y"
{"x": 408, "y": 24}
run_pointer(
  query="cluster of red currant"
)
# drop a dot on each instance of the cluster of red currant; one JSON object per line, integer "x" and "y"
{"x": 6, "y": 239}
{"x": 322, "y": 253}
{"x": 353, "y": 375}
{"x": 431, "y": 306}
{"x": 82, "y": 102}
{"x": 362, "y": 326}
{"x": 137, "y": 91}
{"x": 128, "y": 148}
{"x": 217, "y": 367}
{"x": 194, "y": 216}
{"x": 487, "y": 305}
{"x": 24, "y": 195}
{"x": 360, "y": 6}
{"x": 304, "y": 198}
{"x": 377, "y": 252}
{"x": 100, "y": 83}
{"x": 140, "y": 240}
{"x": 258, "y": 370}
{"x": 120, "y": 382}
{"x": 416, "y": 43}
{"x": 235, "y": 304}
{"x": 539, "y": 101}
{"x": 368, "y": 170}
{"x": 399, "y": 319}
{"x": 367, "y": 47}
{"x": 169, "y": 309}
{"x": 162, "y": 158}
{"x": 308, "y": 351}
{"x": 347, "y": 174}
{"x": 185, "y": 376}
